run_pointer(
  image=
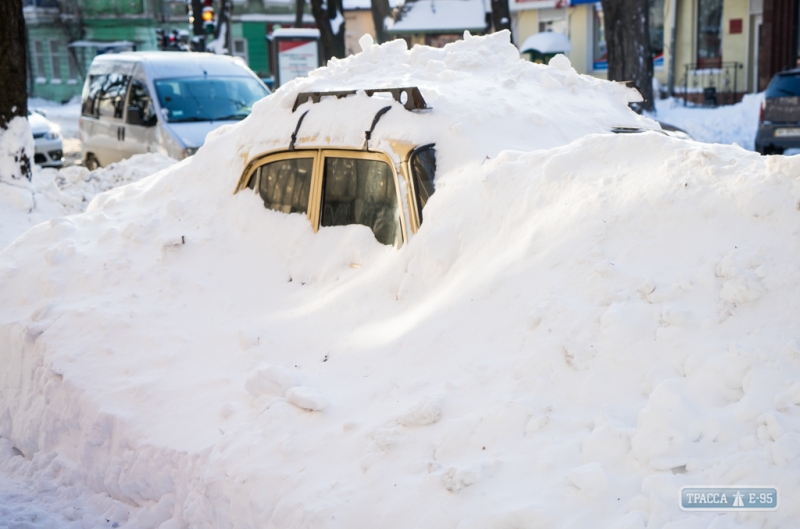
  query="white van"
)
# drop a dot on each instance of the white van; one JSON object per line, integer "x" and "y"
{"x": 167, "y": 102}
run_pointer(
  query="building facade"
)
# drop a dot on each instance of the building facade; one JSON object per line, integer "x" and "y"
{"x": 62, "y": 44}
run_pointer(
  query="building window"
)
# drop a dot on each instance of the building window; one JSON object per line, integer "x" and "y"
{"x": 599, "y": 54}
{"x": 72, "y": 70}
{"x": 38, "y": 59}
{"x": 709, "y": 34}
{"x": 55, "y": 61}
{"x": 240, "y": 48}
{"x": 656, "y": 31}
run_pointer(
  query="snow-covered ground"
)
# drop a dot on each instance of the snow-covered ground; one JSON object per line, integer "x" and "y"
{"x": 57, "y": 192}
{"x": 732, "y": 124}
{"x": 584, "y": 323}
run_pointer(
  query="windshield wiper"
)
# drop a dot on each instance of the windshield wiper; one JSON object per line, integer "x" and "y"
{"x": 190, "y": 118}
{"x": 232, "y": 117}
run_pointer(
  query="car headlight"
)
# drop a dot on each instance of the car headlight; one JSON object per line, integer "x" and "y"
{"x": 189, "y": 151}
{"x": 52, "y": 134}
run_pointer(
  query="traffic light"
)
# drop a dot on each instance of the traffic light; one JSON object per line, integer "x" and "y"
{"x": 161, "y": 39}
{"x": 208, "y": 16}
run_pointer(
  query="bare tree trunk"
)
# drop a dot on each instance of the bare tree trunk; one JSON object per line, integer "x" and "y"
{"x": 628, "y": 42}
{"x": 501, "y": 18}
{"x": 330, "y": 22}
{"x": 13, "y": 74}
{"x": 224, "y": 25}
{"x": 380, "y": 12}
{"x": 299, "y": 8}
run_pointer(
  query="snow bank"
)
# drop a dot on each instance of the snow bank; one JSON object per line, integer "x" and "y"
{"x": 15, "y": 140}
{"x": 732, "y": 124}
{"x": 581, "y": 326}
{"x": 55, "y": 193}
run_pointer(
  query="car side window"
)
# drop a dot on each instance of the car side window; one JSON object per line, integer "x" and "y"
{"x": 91, "y": 93}
{"x": 423, "y": 170}
{"x": 140, "y": 98}
{"x": 112, "y": 99}
{"x": 361, "y": 191}
{"x": 284, "y": 185}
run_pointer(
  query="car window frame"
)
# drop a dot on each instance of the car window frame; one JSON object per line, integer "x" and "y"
{"x": 314, "y": 211}
{"x": 361, "y": 155}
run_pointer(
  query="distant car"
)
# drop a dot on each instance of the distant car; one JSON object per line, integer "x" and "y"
{"x": 138, "y": 102}
{"x": 779, "y": 123}
{"x": 47, "y": 138}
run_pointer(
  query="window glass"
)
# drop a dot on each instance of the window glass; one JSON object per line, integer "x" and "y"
{"x": 208, "y": 98}
{"x": 55, "y": 59}
{"x": 423, "y": 170}
{"x": 709, "y": 33}
{"x": 656, "y": 30}
{"x": 357, "y": 191}
{"x": 91, "y": 92}
{"x": 38, "y": 52}
{"x": 284, "y": 185}
{"x": 112, "y": 97}
{"x": 600, "y": 59}
{"x": 784, "y": 86}
{"x": 140, "y": 98}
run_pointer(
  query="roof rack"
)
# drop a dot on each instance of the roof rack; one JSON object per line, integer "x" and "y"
{"x": 409, "y": 96}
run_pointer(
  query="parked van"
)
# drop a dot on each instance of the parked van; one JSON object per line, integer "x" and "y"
{"x": 139, "y": 102}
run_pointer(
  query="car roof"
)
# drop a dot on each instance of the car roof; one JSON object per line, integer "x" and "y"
{"x": 793, "y": 71}
{"x": 171, "y": 64}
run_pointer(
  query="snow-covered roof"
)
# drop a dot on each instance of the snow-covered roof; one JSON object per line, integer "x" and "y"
{"x": 441, "y": 16}
{"x": 265, "y": 17}
{"x": 311, "y": 33}
{"x": 352, "y": 5}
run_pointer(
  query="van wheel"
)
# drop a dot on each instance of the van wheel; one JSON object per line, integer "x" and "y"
{"x": 91, "y": 162}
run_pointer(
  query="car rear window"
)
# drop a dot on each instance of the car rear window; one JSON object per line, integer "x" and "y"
{"x": 784, "y": 86}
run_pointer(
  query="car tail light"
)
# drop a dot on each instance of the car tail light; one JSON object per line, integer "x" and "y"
{"x": 761, "y": 113}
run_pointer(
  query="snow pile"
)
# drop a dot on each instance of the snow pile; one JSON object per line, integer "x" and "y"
{"x": 58, "y": 192}
{"x": 16, "y": 140}
{"x": 733, "y": 124}
{"x": 573, "y": 335}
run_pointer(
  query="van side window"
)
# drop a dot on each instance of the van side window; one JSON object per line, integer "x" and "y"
{"x": 423, "y": 170}
{"x": 112, "y": 98}
{"x": 361, "y": 191}
{"x": 140, "y": 98}
{"x": 284, "y": 185}
{"x": 91, "y": 92}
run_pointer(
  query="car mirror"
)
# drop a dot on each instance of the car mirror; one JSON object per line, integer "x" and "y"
{"x": 135, "y": 116}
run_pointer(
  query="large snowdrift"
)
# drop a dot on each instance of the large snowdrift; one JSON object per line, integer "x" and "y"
{"x": 58, "y": 192}
{"x": 573, "y": 335}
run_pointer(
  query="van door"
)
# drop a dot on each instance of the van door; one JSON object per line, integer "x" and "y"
{"x": 139, "y": 134}
{"x": 110, "y": 110}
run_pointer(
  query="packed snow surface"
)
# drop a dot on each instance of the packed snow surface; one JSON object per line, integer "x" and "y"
{"x": 584, "y": 323}
{"x": 57, "y": 192}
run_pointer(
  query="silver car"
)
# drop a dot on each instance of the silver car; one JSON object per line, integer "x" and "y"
{"x": 165, "y": 102}
{"x": 49, "y": 151}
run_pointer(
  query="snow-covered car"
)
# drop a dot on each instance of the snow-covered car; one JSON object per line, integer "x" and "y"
{"x": 47, "y": 139}
{"x": 572, "y": 327}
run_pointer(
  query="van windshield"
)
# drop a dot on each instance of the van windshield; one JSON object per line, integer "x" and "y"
{"x": 208, "y": 98}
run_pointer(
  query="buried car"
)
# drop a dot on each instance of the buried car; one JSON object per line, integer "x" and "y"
{"x": 566, "y": 333}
